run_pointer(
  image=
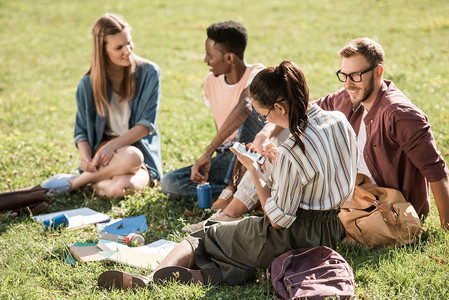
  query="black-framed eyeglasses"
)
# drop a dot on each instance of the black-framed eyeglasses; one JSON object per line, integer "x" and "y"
{"x": 355, "y": 77}
{"x": 263, "y": 118}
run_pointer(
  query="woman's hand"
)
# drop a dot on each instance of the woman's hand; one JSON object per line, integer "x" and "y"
{"x": 260, "y": 142}
{"x": 270, "y": 152}
{"x": 86, "y": 157}
{"x": 247, "y": 162}
{"x": 103, "y": 156}
{"x": 86, "y": 164}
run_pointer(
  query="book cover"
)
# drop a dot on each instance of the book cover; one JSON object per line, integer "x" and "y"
{"x": 86, "y": 252}
{"x": 77, "y": 217}
{"x": 123, "y": 227}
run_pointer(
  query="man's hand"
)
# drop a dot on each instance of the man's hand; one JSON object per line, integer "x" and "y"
{"x": 440, "y": 191}
{"x": 200, "y": 170}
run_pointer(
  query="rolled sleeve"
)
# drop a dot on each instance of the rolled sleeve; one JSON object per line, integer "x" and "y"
{"x": 277, "y": 215}
{"x": 411, "y": 129}
{"x": 145, "y": 123}
{"x": 150, "y": 125}
{"x": 79, "y": 138}
{"x": 286, "y": 190}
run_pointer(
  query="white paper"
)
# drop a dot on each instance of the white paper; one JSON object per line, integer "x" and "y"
{"x": 159, "y": 247}
{"x": 106, "y": 245}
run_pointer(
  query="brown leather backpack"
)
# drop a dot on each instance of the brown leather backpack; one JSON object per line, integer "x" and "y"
{"x": 33, "y": 198}
{"x": 377, "y": 216}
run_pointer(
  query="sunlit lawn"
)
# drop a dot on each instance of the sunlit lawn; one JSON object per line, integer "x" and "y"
{"x": 45, "y": 49}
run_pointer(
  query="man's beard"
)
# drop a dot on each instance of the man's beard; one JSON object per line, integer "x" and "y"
{"x": 366, "y": 93}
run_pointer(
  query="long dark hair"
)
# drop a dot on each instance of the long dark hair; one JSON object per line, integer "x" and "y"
{"x": 284, "y": 82}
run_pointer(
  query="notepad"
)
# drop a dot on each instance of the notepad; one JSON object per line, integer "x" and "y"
{"x": 77, "y": 217}
{"x": 125, "y": 226}
{"x": 86, "y": 252}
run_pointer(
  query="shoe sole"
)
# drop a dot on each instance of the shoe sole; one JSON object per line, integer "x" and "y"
{"x": 121, "y": 280}
{"x": 183, "y": 275}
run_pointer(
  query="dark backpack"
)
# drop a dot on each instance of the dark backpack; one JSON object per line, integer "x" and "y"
{"x": 33, "y": 198}
{"x": 312, "y": 273}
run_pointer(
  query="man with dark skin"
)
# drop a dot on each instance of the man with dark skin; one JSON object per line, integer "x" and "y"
{"x": 226, "y": 94}
{"x": 397, "y": 148}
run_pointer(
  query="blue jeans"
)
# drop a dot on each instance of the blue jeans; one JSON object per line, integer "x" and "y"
{"x": 177, "y": 183}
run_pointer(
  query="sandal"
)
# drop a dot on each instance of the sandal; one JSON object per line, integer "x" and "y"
{"x": 224, "y": 199}
{"x": 121, "y": 280}
{"x": 212, "y": 275}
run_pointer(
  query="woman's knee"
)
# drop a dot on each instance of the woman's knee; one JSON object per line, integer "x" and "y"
{"x": 128, "y": 184}
{"x": 107, "y": 188}
{"x": 111, "y": 190}
{"x": 138, "y": 181}
{"x": 130, "y": 157}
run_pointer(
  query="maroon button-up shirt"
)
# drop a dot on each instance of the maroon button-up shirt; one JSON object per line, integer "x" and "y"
{"x": 400, "y": 151}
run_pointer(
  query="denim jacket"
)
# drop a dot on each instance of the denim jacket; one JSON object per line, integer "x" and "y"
{"x": 89, "y": 125}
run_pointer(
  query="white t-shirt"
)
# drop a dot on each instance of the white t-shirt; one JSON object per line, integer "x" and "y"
{"x": 361, "y": 141}
{"x": 118, "y": 117}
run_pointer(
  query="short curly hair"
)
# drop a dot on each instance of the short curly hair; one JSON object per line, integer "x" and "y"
{"x": 366, "y": 47}
{"x": 230, "y": 35}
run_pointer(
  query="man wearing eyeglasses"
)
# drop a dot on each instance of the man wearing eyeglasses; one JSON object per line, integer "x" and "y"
{"x": 397, "y": 148}
{"x": 394, "y": 136}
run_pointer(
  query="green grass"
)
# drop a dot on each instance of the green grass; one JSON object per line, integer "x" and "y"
{"x": 45, "y": 49}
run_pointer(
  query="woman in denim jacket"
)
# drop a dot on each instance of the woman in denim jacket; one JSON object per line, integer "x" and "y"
{"x": 115, "y": 131}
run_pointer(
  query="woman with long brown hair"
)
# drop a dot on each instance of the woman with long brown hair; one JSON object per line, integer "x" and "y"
{"x": 116, "y": 130}
{"x": 314, "y": 173}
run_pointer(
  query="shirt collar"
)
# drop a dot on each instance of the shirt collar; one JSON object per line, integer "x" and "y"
{"x": 377, "y": 102}
{"x": 313, "y": 110}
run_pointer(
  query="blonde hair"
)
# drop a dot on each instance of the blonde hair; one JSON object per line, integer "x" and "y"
{"x": 108, "y": 24}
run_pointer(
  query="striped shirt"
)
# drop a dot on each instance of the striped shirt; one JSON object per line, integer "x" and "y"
{"x": 322, "y": 177}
